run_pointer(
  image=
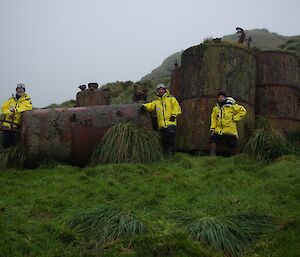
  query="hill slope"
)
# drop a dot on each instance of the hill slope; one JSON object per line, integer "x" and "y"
{"x": 162, "y": 72}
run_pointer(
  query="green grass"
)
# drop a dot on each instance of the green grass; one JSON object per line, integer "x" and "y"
{"x": 12, "y": 156}
{"x": 36, "y": 206}
{"x": 128, "y": 142}
{"x": 266, "y": 143}
{"x": 103, "y": 225}
{"x": 232, "y": 234}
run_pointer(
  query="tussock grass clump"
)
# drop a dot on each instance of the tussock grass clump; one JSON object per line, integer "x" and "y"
{"x": 266, "y": 143}
{"x": 102, "y": 225}
{"x": 13, "y": 156}
{"x": 232, "y": 234}
{"x": 293, "y": 137}
{"x": 126, "y": 142}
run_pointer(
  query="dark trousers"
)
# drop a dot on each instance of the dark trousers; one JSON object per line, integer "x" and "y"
{"x": 168, "y": 139}
{"x": 9, "y": 138}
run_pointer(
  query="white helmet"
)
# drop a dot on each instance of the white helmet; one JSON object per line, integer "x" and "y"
{"x": 230, "y": 100}
{"x": 161, "y": 85}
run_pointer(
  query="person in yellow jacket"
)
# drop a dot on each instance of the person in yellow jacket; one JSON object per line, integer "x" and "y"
{"x": 167, "y": 109}
{"x": 12, "y": 110}
{"x": 223, "y": 127}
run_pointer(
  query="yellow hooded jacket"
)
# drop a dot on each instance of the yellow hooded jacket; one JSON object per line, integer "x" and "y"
{"x": 18, "y": 105}
{"x": 223, "y": 119}
{"x": 165, "y": 106}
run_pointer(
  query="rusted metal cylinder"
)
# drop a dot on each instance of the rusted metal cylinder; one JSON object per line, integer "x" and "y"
{"x": 92, "y": 97}
{"x": 71, "y": 134}
{"x": 205, "y": 70}
{"x": 278, "y": 89}
{"x": 175, "y": 83}
{"x": 209, "y": 68}
{"x": 193, "y": 125}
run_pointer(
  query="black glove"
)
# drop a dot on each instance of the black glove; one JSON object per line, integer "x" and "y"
{"x": 172, "y": 118}
{"x": 143, "y": 108}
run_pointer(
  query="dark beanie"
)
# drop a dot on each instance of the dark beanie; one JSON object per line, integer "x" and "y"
{"x": 222, "y": 93}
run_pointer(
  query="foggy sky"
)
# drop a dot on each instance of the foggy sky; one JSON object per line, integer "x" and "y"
{"x": 54, "y": 46}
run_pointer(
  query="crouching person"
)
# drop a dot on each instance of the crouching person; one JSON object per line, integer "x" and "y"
{"x": 167, "y": 109}
{"x": 12, "y": 110}
{"x": 223, "y": 127}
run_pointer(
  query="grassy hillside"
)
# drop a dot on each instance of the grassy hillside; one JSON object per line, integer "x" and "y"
{"x": 162, "y": 73}
{"x": 261, "y": 38}
{"x": 36, "y": 206}
{"x": 292, "y": 45}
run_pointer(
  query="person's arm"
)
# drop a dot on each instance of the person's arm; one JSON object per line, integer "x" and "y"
{"x": 150, "y": 106}
{"x": 5, "y": 108}
{"x": 213, "y": 120}
{"x": 176, "y": 109}
{"x": 25, "y": 105}
{"x": 240, "y": 112}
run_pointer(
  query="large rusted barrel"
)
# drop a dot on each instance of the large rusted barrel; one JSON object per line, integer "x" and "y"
{"x": 175, "y": 82}
{"x": 92, "y": 97}
{"x": 278, "y": 88}
{"x": 71, "y": 134}
{"x": 205, "y": 70}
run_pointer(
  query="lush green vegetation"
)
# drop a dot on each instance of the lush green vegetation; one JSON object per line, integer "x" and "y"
{"x": 122, "y": 92}
{"x": 292, "y": 45}
{"x": 135, "y": 145}
{"x": 163, "y": 72}
{"x": 52, "y": 211}
{"x": 266, "y": 143}
{"x": 66, "y": 104}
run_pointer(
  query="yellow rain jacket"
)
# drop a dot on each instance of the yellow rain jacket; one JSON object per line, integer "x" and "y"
{"x": 165, "y": 106}
{"x": 223, "y": 119}
{"x": 18, "y": 105}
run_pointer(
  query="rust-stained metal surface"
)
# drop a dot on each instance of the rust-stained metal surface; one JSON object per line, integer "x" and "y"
{"x": 205, "y": 70}
{"x": 175, "y": 83}
{"x": 278, "y": 89}
{"x": 193, "y": 125}
{"x": 71, "y": 134}
{"x": 92, "y": 97}
{"x": 277, "y": 68}
{"x": 209, "y": 68}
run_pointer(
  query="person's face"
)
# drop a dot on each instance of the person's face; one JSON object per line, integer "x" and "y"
{"x": 20, "y": 91}
{"x": 161, "y": 91}
{"x": 221, "y": 98}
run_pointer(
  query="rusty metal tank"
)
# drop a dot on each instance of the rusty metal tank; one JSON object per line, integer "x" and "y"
{"x": 175, "y": 81}
{"x": 71, "y": 134}
{"x": 205, "y": 70}
{"x": 91, "y": 97}
{"x": 278, "y": 88}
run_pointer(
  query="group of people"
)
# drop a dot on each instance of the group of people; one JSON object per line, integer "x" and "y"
{"x": 223, "y": 127}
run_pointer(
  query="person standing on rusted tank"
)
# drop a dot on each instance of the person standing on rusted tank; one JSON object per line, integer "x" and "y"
{"x": 167, "y": 109}
{"x": 12, "y": 110}
{"x": 223, "y": 127}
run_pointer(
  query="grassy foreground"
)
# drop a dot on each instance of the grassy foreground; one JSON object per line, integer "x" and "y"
{"x": 36, "y": 206}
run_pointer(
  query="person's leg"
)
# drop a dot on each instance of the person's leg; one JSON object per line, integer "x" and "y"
{"x": 232, "y": 144}
{"x": 171, "y": 139}
{"x": 9, "y": 138}
{"x": 164, "y": 137}
{"x": 212, "y": 147}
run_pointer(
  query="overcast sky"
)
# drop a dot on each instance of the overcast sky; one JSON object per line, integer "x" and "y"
{"x": 53, "y": 46}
